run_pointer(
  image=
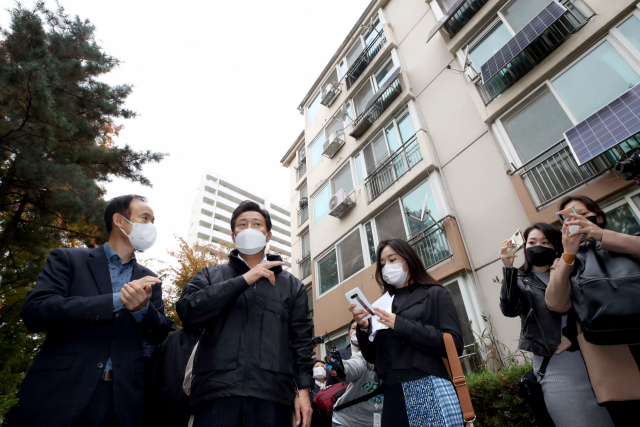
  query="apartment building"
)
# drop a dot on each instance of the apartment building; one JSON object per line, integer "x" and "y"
{"x": 442, "y": 122}
{"x": 216, "y": 199}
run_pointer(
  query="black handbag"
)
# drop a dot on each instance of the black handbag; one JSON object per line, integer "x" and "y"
{"x": 605, "y": 294}
{"x": 531, "y": 390}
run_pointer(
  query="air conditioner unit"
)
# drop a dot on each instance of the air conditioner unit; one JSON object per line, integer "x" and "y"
{"x": 332, "y": 146}
{"x": 329, "y": 94}
{"x": 340, "y": 203}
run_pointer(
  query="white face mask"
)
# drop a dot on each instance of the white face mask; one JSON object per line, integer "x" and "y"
{"x": 394, "y": 275}
{"x": 319, "y": 373}
{"x": 142, "y": 236}
{"x": 250, "y": 241}
{"x": 354, "y": 338}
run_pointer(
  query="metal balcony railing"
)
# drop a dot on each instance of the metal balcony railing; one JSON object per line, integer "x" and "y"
{"x": 555, "y": 172}
{"x": 457, "y": 17}
{"x": 389, "y": 170}
{"x": 378, "y": 103}
{"x": 364, "y": 59}
{"x": 303, "y": 215}
{"x": 431, "y": 244}
{"x": 305, "y": 265}
{"x": 572, "y": 20}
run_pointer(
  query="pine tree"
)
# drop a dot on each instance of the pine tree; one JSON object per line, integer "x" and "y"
{"x": 57, "y": 123}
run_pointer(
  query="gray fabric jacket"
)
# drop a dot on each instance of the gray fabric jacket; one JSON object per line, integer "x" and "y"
{"x": 362, "y": 380}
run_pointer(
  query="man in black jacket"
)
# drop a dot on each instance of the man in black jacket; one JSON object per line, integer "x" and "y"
{"x": 254, "y": 360}
{"x": 98, "y": 308}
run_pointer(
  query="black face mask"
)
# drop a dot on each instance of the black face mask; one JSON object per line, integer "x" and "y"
{"x": 594, "y": 219}
{"x": 540, "y": 255}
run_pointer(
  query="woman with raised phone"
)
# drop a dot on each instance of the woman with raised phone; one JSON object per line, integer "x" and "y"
{"x": 598, "y": 276}
{"x": 408, "y": 353}
{"x": 551, "y": 337}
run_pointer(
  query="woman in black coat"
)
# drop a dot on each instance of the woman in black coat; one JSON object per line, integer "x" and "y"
{"x": 408, "y": 355}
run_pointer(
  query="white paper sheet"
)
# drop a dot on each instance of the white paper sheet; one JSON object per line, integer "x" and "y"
{"x": 383, "y": 303}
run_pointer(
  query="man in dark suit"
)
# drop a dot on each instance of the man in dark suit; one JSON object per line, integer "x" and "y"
{"x": 98, "y": 307}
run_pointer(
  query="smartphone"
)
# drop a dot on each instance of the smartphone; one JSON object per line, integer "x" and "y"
{"x": 518, "y": 242}
{"x": 162, "y": 277}
{"x": 565, "y": 215}
{"x": 355, "y": 296}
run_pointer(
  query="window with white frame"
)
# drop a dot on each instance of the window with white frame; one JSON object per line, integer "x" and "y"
{"x": 334, "y": 128}
{"x": 605, "y": 71}
{"x": 623, "y": 215}
{"x": 302, "y": 162}
{"x": 471, "y": 324}
{"x": 363, "y": 40}
{"x": 343, "y": 179}
{"x": 509, "y": 21}
{"x": 314, "y": 107}
{"x": 384, "y": 144}
{"x": 339, "y": 339}
{"x": 341, "y": 262}
{"x": 369, "y": 88}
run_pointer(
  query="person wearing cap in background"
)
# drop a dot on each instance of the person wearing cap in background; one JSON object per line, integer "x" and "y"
{"x": 254, "y": 360}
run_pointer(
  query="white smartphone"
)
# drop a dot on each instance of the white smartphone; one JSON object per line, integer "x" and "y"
{"x": 355, "y": 296}
{"x": 518, "y": 242}
{"x": 565, "y": 215}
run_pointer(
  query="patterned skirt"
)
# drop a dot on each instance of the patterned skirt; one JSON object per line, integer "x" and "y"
{"x": 428, "y": 402}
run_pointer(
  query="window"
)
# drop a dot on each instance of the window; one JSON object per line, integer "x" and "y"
{"x": 303, "y": 192}
{"x": 524, "y": 128}
{"x": 445, "y": 5}
{"x": 362, "y": 97}
{"x": 623, "y": 216}
{"x": 338, "y": 341}
{"x": 630, "y": 29}
{"x": 313, "y": 108}
{"x": 302, "y": 163}
{"x": 371, "y": 244}
{"x": 413, "y": 204}
{"x": 489, "y": 44}
{"x": 390, "y": 224}
{"x": 384, "y": 73}
{"x": 595, "y": 80}
{"x": 603, "y": 73}
{"x": 470, "y": 359}
{"x": 341, "y": 262}
{"x": 519, "y": 13}
{"x": 358, "y": 161}
{"x": 342, "y": 179}
{"x": 334, "y": 126}
{"x": 310, "y": 300}
{"x": 305, "y": 244}
{"x": 388, "y": 141}
{"x": 376, "y": 28}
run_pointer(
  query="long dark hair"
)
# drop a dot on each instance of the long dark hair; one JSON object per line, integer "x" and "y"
{"x": 417, "y": 271}
{"x": 553, "y": 235}
{"x": 588, "y": 202}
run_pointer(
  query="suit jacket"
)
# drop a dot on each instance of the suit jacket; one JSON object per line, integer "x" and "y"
{"x": 73, "y": 302}
{"x": 613, "y": 370}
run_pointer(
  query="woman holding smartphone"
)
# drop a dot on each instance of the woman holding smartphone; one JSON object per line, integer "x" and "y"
{"x": 594, "y": 252}
{"x": 551, "y": 337}
{"x": 408, "y": 355}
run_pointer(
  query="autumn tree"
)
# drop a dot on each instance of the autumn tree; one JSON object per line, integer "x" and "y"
{"x": 58, "y": 121}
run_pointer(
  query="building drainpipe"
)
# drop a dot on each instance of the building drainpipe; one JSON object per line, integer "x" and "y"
{"x": 476, "y": 281}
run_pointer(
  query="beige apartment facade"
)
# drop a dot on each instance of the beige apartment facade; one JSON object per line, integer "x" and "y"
{"x": 408, "y": 136}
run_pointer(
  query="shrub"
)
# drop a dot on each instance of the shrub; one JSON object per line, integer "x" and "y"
{"x": 496, "y": 400}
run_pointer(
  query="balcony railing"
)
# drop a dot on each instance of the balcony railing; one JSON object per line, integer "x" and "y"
{"x": 388, "y": 171}
{"x": 364, "y": 59}
{"x": 303, "y": 215}
{"x": 431, "y": 244}
{"x": 555, "y": 171}
{"x": 305, "y": 265}
{"x": 457, "y": 17}
{"x": 570, "y": 22}
{"x": 378, "y": 103}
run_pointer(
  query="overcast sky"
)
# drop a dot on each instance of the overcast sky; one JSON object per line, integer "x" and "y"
{"x": 216, "y": 86}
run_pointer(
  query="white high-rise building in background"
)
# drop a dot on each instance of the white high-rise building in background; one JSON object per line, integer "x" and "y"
{"x": 216, "y": 200}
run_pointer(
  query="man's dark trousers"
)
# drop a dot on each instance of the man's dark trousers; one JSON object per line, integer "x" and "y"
{"x": 73, "y": 302}
{"x": 242, "y": 411}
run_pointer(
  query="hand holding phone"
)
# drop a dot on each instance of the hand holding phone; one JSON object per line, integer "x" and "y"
{"x": 565, "y": 215}
{"x": 355, "y": 296}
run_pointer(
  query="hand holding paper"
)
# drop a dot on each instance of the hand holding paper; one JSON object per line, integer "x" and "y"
{"x": 383, "y": 304}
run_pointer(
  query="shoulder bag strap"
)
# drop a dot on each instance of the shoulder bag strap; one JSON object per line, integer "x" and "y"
{"x": 458, "y": 379}
{"x": 376, "y": 392}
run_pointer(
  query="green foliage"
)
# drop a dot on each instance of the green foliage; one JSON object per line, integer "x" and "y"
{"x": 57, "y": 123}
{"x": 496, "y": 400}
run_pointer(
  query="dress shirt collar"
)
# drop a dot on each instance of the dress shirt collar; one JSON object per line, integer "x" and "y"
{"x": 110, "y": 253}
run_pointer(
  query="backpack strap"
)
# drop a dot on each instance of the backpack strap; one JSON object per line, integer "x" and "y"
{"x": 459, "y": 380}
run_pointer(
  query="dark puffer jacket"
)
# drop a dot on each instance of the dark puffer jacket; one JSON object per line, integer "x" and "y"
{"x": 256, "y": 340}
{"x": 522, "y": 294}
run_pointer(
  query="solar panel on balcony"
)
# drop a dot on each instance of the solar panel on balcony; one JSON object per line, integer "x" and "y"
{"x": 607, "y": 127}
{"x": 442, "y": 21}
{"x": 522, "y": 39}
